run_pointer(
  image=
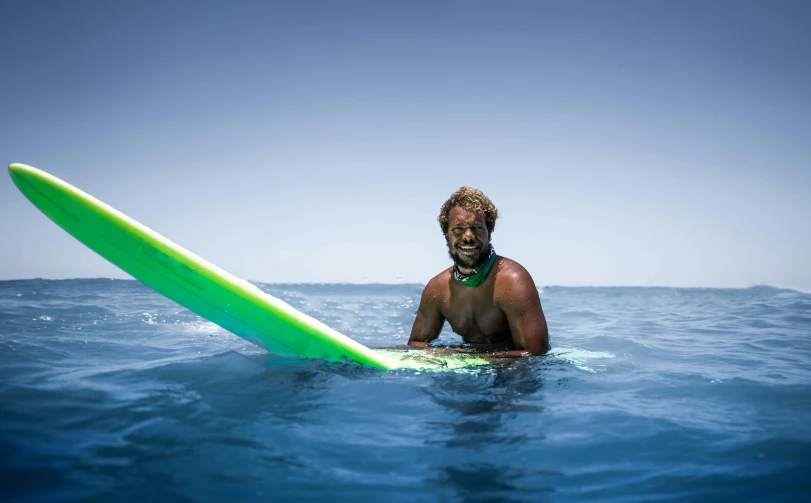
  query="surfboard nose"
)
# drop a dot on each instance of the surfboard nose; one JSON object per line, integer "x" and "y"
{"x": 26, "y": 178}
{"x": 25, "y": 174}
{"x": 18, "y": 169}
{"x": 16, "y": 172}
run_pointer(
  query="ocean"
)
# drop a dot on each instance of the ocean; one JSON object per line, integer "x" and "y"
{"x": 110, "y": 392}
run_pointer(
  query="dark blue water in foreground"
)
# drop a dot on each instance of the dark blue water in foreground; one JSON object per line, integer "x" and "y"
{"x": 109, "y": 392}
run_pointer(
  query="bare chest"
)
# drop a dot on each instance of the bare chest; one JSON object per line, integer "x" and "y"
{"x": 473, "y": 314}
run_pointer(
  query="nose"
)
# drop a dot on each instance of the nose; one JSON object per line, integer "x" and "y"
{"x": 469, "y": 234}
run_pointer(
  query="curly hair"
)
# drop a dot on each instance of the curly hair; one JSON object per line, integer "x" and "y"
{"x": 470, "y": 199}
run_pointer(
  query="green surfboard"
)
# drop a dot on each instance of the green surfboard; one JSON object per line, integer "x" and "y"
{"x": 187, "y": 279}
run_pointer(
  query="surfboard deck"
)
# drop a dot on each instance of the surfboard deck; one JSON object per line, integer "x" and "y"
{"x": 426, "y": 360}
{"x": 182, "y": 276}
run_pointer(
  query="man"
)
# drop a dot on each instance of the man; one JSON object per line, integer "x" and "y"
{"x": 491, "y": 301}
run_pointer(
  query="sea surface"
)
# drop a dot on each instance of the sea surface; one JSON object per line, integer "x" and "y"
{"x": 110, "y": 392}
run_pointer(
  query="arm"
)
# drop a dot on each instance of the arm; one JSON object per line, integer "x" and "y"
{"x": 429, "y": 320}
{"x": 519, "y": 300}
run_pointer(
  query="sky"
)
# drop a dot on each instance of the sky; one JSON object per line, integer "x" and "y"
{"x": 634, "y": 143}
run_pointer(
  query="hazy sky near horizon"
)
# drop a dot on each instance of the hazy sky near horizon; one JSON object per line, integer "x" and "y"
{"x": 624, "y": 142}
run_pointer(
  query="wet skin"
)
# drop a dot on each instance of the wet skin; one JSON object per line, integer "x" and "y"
{"x": 502, "y": 315}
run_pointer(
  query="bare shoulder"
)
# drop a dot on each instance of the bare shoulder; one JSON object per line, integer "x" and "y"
{"x": 508, "y": 270}
{"x": 438, "y": 288}
{"x": 512, "y": 279}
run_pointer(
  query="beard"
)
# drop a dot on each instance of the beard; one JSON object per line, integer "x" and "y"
{"x": 468, "y": 261}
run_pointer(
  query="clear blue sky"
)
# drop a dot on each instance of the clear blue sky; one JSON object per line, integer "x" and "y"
{"x": 624, "y": 142}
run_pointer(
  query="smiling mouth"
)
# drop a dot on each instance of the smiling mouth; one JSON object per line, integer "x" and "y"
{"x": 468, "y": 249}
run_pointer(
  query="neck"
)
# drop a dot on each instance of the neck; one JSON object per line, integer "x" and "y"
{"x": 475, "y": 277}
{"x": 465, "y": 270}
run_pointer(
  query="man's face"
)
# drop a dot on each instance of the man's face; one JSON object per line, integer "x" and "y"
{"x": 468, "y": 239}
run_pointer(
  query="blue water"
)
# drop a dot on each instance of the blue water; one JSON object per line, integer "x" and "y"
{"x": 109, "y": 392}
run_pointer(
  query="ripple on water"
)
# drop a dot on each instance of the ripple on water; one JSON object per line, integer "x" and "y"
{"x": 109, "y": 391}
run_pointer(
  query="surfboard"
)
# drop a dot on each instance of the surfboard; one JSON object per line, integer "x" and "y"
{"x": 429, "y": 360}
{"x": 232, "y": 303}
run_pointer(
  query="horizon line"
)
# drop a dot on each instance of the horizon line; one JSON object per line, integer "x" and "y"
{"x": 372, "y": 283}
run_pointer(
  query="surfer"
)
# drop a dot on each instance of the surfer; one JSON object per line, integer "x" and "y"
{"x": 491, "y": 301}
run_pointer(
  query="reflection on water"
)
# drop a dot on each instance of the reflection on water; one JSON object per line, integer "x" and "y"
{"x": 484, "y": 482}
{"x": 488, "y": 417}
